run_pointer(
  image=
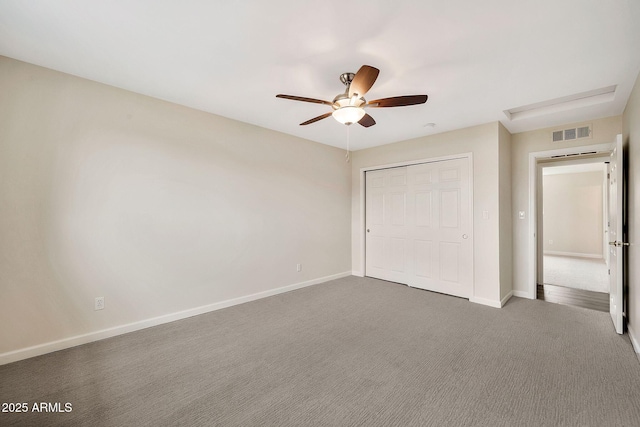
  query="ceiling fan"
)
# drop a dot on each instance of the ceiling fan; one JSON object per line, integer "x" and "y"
{"x": 348, "y": 107}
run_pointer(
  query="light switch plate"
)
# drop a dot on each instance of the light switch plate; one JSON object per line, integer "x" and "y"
{"x": 521, "y": 214}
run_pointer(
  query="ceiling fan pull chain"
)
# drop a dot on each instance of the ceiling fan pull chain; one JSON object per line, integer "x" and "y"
{"x": 346, "y": 156}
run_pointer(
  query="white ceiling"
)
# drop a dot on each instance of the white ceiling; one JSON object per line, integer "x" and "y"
{"x": 474, "y": 59}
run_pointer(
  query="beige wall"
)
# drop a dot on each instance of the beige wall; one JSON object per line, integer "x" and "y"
{"x": 482, "y": 141}
{"x": 631, "y": 138}
{"x": 506, "y": 234}
{"x": 603, "y": 131}
{"x": 157, "y": 207}
{"x": 573, "y": 208}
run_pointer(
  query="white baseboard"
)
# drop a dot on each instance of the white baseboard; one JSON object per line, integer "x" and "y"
{"x": 486, "y": 301}
{"x": 507, "y": 297}
{"x": 357, "y": 273}
{"x": 574, "y": 254}
{"x": 635, "y": 341}
{"x": 522, "y": 294}
{"x": 492, "y": 303}
{"x": 40, "y": 349}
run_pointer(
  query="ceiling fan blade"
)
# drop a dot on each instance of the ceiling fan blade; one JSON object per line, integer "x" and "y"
{"x": 367, "y": 121}
{"x": 315, "y": 119}
{"x": 398, "y": 101}
{"x": 301, "y": 98}
{"x": 363, "y": 80}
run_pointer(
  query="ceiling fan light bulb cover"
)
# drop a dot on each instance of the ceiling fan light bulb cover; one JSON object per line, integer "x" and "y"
{"x": 348, "y": 114}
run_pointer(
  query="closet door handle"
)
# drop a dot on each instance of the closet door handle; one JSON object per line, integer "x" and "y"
{"x": 464, "y": 236}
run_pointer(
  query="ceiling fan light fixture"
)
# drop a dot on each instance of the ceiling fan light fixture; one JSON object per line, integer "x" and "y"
{"x": 348, "y": 114}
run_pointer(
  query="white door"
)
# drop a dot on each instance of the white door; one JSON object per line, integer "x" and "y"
{"x": 418, "y": 226}
{"x": 616, "y": 237}
{"x": 440, "y": 227}
{"x": 386, "y": 222}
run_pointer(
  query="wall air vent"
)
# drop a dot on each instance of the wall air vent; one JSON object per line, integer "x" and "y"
{"x": 584, "y": 132}
{"x": 571, "y": 134}
{"x": 558, "y": 136}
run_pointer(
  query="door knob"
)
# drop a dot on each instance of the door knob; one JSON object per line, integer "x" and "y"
{"x": 618, "y": 243}
{"x": 464, "y": 236}
{"x": 368, "y": 230}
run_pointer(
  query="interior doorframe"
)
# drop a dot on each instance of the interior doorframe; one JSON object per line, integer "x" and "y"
{"x": 534, "y": 175}
{"x": 362, "y": 201}
{"x": 566, "y": 161}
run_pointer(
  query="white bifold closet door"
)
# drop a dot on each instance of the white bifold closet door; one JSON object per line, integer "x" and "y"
{"x": 418, "y": 226}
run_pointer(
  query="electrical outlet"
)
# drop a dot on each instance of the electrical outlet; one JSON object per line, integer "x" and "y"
{"x": 299, "y": 268}
{"x": 99, "y": 303}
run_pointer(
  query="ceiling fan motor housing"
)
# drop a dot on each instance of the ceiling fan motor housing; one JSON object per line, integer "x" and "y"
{"x": 343, "y": 100}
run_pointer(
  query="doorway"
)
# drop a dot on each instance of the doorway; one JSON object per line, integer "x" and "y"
{"x": 572, "y": 229}
{"x": 616, "y": 220}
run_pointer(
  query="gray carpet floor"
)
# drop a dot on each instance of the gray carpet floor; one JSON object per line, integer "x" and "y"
{"x": 579, "y": 273}
{"x": 350, "y": 352}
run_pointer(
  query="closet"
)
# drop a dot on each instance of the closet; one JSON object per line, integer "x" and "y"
{"x": 418, "y": 226}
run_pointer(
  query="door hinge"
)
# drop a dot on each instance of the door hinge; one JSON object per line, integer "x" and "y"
{"x": 609, "y": 272}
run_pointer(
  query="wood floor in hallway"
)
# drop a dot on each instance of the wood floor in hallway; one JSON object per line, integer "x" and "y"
{"x": 575, "y": 297}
